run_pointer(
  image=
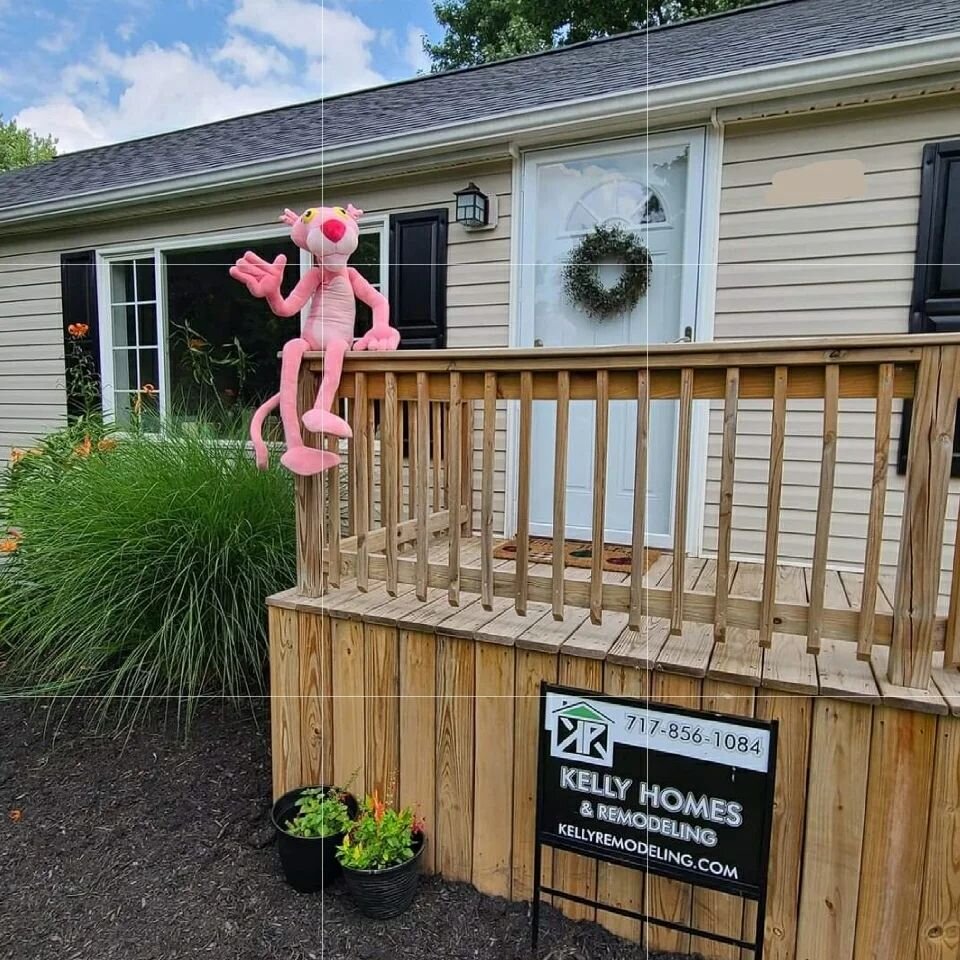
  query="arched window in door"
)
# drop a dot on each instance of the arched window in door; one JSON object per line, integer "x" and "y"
{"x": 617, "y": 202}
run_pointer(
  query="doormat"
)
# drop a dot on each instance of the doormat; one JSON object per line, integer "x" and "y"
{"x": 617, "y": 558}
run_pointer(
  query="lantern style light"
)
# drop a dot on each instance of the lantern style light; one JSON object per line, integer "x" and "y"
{"x": 473, "y": 206}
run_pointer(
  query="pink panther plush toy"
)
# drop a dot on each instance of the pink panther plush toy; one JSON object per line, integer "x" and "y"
{"x": 331, "y": 235}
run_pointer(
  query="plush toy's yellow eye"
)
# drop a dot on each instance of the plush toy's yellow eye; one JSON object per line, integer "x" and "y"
{"x": 308, "y": 215}
{"x": 339, "y": 211}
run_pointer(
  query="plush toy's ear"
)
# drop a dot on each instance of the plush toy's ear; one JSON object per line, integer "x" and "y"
{"x": 354, "y": 212}
{"x": 289, "y": 217}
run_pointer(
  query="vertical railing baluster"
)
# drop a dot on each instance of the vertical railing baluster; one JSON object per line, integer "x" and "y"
{"x": 933, "y": 419}
{"x": 878, "y": 497}
{"x": 466, "y": 467}
{"x": 413, "y": 453}
{"x": 371, "y": 460}
{"x": 333, "y": 515}
{"x": 774, "y": 493}
{"x": 435, "y": 443}
{"x": 360, "y": 473}
{"x": 681, "y": 494}
{"x": 486, "y": 488}
{"x": 389, "y": 470}
{"x": 821, "y": 541}
{"x": 455, "y": 480}
{"x": 309, "y": 493}
{"x": 601, "y": 431}
{"x": 637, "y": 561}
{"x": 421, "y": 469}
{"x": 728, "y": 461}
{"x": 952, "y": 637}
{"x": 560, "y": 490}
{"x": 523, "y": 490}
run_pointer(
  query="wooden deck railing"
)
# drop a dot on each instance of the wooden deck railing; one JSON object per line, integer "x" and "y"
{"x": 412, "y": 475}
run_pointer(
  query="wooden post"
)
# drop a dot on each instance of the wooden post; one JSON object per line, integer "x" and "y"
{"x": 422, "y": 468}
{"x": 457, "y": 439}
{"x": 486, "y": 488}
{"x": 389, "y": 470}
{"x": 361, "y": 488}
{"x": 637, "y": 566}
{"x": 561, "y": 439}
{"x": 727, "y": 466}
{"x": 309, "y": 494}
{"x": 681, "y": 497}
{"x": 523, "y": 490}
{"x": 774, "y": 493}
{"x": 599, "y": 494}
{"x": 466, "y": 469}
{"x": 924, "y": 511}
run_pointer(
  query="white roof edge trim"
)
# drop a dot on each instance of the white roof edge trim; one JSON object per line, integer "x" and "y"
{"x": 890, "y": 61}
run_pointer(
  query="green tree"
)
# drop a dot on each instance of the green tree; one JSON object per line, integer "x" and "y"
{"x": 478, "y": 31}
{"x": 20, "y": 147}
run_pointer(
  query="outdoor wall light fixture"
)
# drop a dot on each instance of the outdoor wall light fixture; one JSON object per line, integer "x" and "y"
{"x": 473, "y": 207}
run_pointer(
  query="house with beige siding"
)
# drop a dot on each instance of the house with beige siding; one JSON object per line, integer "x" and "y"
{"x": 783, "y": 164}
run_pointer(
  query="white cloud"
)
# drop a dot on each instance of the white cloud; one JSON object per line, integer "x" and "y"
{"x": 111, "y": 96}
{"x": 413, "y": 53}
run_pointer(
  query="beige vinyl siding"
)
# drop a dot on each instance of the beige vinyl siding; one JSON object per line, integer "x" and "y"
{"x": 802, "y": 267}
{"x": 32, "y": 394}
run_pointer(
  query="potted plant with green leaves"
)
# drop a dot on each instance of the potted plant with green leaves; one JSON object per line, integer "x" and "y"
{"x": 380, "y": 856}
{"x": 311, "y": 823}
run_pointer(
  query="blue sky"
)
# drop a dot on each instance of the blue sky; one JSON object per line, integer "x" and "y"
{"x": 92, "y": 72}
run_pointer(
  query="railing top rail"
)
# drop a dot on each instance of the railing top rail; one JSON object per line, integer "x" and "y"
{"x": 787, "y": 351}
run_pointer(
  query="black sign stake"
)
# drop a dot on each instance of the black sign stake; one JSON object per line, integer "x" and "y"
{"x": 685, "y": 794}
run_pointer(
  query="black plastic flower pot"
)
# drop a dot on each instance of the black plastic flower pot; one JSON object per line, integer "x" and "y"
{"x": 309, "y": 863}
{"x": 381, "y": 894}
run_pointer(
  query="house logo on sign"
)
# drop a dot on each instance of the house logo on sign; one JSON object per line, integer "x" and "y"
{"x": 581, "y": 732}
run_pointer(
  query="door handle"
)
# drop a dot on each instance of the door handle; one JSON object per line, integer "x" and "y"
{"x": 687, "y": 336}
{"x": 538, "y": 342}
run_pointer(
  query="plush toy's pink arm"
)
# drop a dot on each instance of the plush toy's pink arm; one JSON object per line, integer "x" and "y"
{"x": 263, "y": 279}
{"x": 299, "y": 295}
{"x": 381, "y": 335}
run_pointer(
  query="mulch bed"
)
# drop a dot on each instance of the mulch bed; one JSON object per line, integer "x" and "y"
{"x": 152, "y": 849}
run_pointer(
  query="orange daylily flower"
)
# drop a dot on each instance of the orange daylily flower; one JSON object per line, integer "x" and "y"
{"x": 149, "y": 390}
{"x": 106, "y": 443}
{"x": 78, "y": 330}
{"x": 85, "y": 448}
{"x": 15, "y": 816}
{"x": 9, "y": 545}
{"x": 16, "y": 455}
{"x": 196, "y": 343}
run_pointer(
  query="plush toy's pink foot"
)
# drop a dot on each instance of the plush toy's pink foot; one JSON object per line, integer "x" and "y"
{"x": 305, "y": 461}
{"x": 323, "y": 421}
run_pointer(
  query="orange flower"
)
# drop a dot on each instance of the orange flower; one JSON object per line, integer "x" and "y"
{"x": 9, "y": 545}
{"x": 85, "y": 448}
{"x": 16, "y": 455}
{"x": 149, "y": 390}
{"x": 379, "y": 807}
{"x": 78, "y": 330}
{"x": 106, "y": 443}
{"x": 15, "y": 816}
{"x": 196, "y": 343}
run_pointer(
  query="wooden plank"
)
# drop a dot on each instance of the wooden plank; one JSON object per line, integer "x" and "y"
{"x": 638, "y": 539}
{"x": 361, "y": 492}
{"x": 593, "y": 640}
{"x": 681, "y": 497}
{"x": 689, "y": 651}
{"x": 418, "y": 730}
{"x": 466, "y": 620}
{"x": 898, "y": 803}
{"x": 332, "y": 477}
{"x": 640, "y": 646}
{"x": 774, "y": 491}
{"x": 833, "y": 843}
{"x": 787, "y": 665}
{"x": 509, "y": 625}
{"x": 878, "y": 499}
{"x": 548, "y": 634}
{"x": 947, "y": 681}
{"x": 793, "y": 713}
{"x": 382, "y": 721}
{"x": 316, "y": 752}
{"x": 466, "y": 468}
{"x": 713, "y": 910}
{"x": 349, "y": 716}
{"x": 620, "y": 886}
{"x": 939, "y": 924}
{"x": 420, "y": 480}
{"x": 573, "y": 873}
{"x": 561, "y": 440}
{"x": 493, "y": 780}
{"x": 455, "y": 758}
{"x": 925, "y": 500}
{"x": 531, "y": 669}
{"x": 455, "y": 479}
{"x": 952, "y": 639}
{"x": 821, "y": 541}
{"x": 601, "y": 429}
{"x": 669, "y": 899}
{"x": 906, "y": 698}
{"x": 389, "y": 474}
{"x": 309, "y": 499}
{"x": 523, "y": 489}
{"x": 436, "y": 443}
{"x": 487, "y": 481}
{"x": 728, "y": 460}
{"x": 284, "y": 700}
{"x": 739, "y": 659}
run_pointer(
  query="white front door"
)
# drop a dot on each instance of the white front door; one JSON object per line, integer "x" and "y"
{"x": 652, "y": 186}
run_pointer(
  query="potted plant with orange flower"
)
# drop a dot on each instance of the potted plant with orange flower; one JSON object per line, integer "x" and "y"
{"x": 380, "y": 856}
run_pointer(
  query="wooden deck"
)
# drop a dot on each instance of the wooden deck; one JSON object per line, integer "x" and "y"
{"x": 784, "y": 666}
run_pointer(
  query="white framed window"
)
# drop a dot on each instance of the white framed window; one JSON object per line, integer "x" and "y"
{"x": 179, "y": 336}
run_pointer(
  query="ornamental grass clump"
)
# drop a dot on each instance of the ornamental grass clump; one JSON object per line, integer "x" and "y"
{"x": 139, "y": 568}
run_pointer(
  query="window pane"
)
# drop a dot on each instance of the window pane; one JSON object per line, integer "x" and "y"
{"x": 124, "y": 370}
{"x": 149, "y": 369}
{"x": 146, "y": 280}
{"x": 124, "y": 326}
{"x": 147, "y": 324}
{"x": 121, "y": 282}
{"x": 366, "y": 259}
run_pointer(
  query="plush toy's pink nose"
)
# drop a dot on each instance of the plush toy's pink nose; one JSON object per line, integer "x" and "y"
{"x": 333, "y": 229}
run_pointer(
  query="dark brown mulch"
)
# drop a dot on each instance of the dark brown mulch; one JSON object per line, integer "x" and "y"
{"x": 150, "y": 849}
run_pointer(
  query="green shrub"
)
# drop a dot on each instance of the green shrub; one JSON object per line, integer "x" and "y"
{"x": 138, "y": 569}
{"x": 320, "y": 813}
{"x": 380, "y": 837}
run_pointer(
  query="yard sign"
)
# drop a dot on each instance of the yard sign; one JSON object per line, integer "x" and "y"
{"x": 680, "y": 793}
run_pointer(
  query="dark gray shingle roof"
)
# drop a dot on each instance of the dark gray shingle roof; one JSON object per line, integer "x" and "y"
{"x": 766, "y": 35}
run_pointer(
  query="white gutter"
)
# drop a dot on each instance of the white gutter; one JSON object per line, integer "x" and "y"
{"x": 876, "y": 64}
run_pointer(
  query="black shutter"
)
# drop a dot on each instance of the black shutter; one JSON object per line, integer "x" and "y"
{"x": 418, "y": 278}
{"x": 78, "y": 295}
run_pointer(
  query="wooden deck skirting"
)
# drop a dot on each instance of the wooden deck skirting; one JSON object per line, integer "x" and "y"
{"x": 422, "y": 404}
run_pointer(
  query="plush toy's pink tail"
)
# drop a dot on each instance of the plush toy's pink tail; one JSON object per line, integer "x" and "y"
{"x": 256, "y": 430}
